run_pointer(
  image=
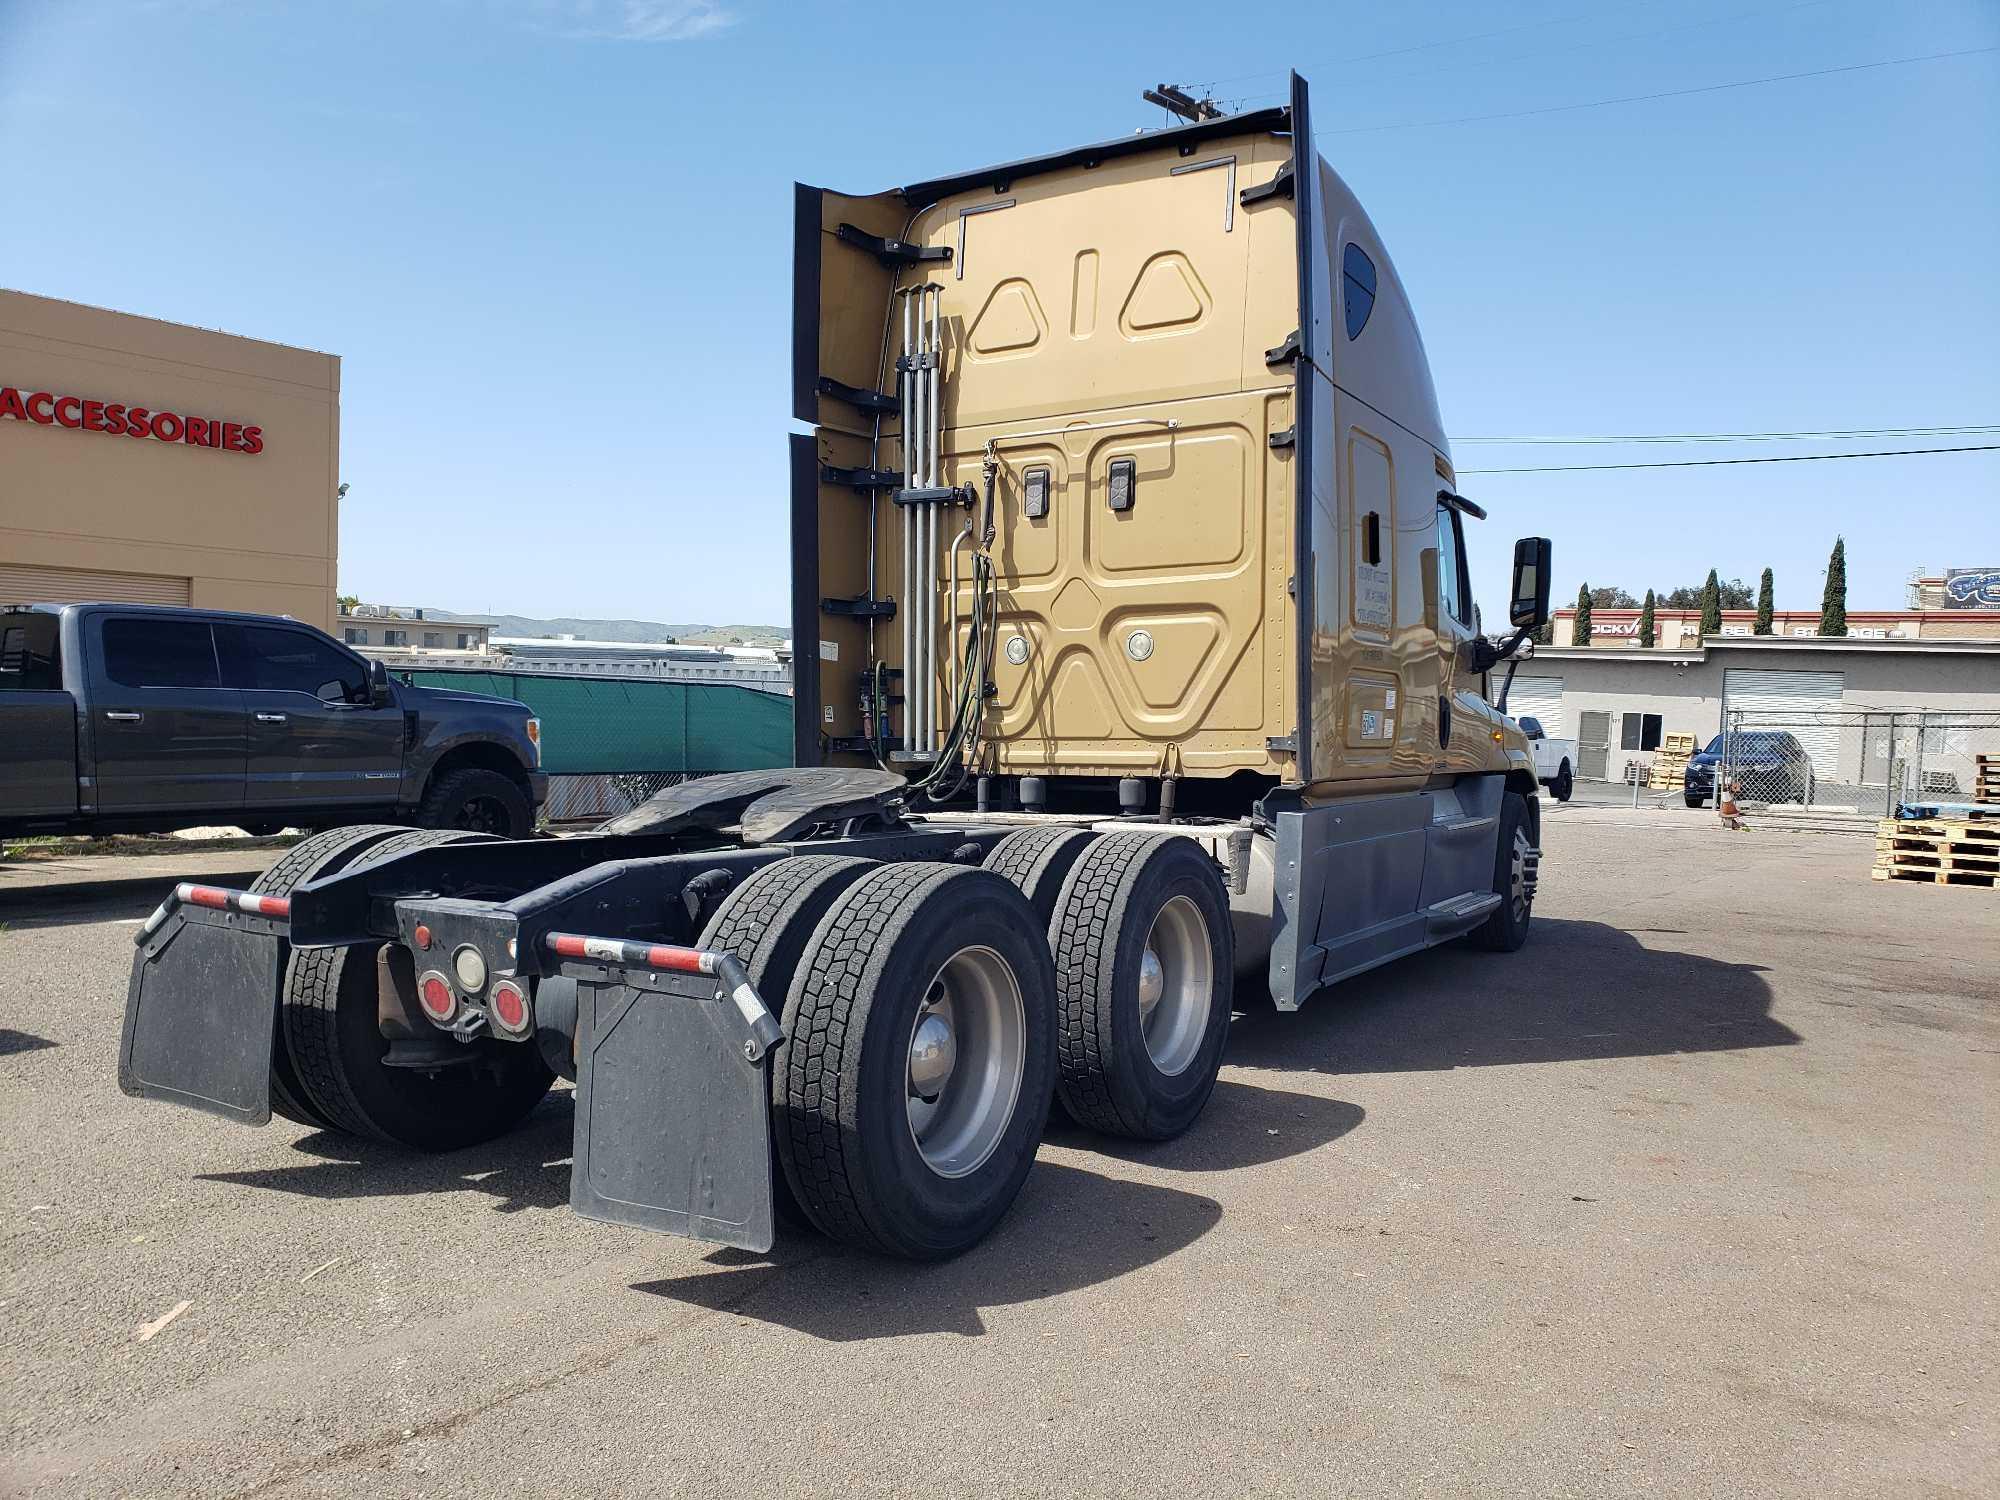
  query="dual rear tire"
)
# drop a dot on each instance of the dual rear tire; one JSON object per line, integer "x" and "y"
{"x": 327, "y": 1060}
{"x": 932, "y": 1014}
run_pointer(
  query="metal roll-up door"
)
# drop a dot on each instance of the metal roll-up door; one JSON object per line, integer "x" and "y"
{"x": 1538, "y": 698}
{"x": 27, "y": 585}
{"x": 1805, "y": 704}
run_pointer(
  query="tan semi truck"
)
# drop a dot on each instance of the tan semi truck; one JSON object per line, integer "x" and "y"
{"x": 1139, "y": 678}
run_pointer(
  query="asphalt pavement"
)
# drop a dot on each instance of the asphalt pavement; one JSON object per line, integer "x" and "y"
{"x": 1692, "y": 1196}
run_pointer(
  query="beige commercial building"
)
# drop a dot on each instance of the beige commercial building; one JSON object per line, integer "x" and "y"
{"x": 153, "y": 462}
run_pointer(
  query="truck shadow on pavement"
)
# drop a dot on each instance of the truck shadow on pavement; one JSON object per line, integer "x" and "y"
{"x": 1578, "y": 990}
{"x": 1071, "y": 1228}
{"x": 525, "y": 1169}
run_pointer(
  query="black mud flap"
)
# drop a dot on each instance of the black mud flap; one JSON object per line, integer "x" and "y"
{"x": 673, "y": 1121}
{"x": 199, "y": 1014}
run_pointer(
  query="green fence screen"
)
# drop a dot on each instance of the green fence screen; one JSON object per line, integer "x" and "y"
{"x": 608, "y": 724}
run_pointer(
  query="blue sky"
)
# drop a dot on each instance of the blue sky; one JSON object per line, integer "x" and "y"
{"x": 551, "y": 241}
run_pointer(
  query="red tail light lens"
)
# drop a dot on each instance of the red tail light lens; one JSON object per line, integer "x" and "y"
{"x": 436, "y": 996}
{"x": 509, "y": 1006}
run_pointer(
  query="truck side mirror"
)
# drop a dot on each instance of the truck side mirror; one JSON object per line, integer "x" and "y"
{"x": 1528, "y": 608}
{"x": 378, "y": 685}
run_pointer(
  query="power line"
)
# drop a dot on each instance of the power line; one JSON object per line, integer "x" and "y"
{"x": 1713, "y": 88}
{"x": 1450, "y": 41}
{"x": 1850, "y": 434}
{"x": 1704, "y": 463}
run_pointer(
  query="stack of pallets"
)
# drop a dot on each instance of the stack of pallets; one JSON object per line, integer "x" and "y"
{"x": 1671, "y": 762}
{"x": 1986, "y": 782}
{"x": 1939, "y": 851}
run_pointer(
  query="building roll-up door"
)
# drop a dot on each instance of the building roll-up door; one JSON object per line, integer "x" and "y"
{"x": 1538, "y": 698}
{"x": 27, "y": 585}
{"x": 1804, "y": 704}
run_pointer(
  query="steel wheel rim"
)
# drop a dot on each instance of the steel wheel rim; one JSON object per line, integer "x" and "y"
{"x": 1519, "y": 891}
{"x": 1176, "y": 986}
{"x": 964, "y": 1061}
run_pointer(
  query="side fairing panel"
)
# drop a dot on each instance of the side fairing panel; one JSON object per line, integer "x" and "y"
{"x": 840, "y": 298}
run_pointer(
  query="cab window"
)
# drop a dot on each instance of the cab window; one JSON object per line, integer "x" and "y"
{"x": 153, "y": 651}
{"x": 1453, "y": 596}
{"x": 272, "y": 659}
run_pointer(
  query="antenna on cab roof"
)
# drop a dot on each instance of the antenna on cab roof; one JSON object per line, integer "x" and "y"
{"x": 1176, "y": 100}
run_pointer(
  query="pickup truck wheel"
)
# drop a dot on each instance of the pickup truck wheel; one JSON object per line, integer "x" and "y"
{"x": 919, "y": 1069}
{"x": 767, "y": 922}
{"x": 1516, "y": 865}
{"x": 1144, "y": 956}
{"x": 1039, "y": 860}
{"x": 332, "y": 1028}
{"x": 477, "y": 801}
{"x": 1563, "y": 785}
{"x": 323, "y": 854}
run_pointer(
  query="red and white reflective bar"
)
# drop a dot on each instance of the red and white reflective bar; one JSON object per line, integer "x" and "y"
{"x": 634, "y": 955}
{"x": 764, "y": 1030}
{"x": 217, "y": 898}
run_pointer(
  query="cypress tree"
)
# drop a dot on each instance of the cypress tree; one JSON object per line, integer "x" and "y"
{"x": 1646, "y": 621}
{"x": 1711, "y": 605}
{"x": 1579, "y": 634}
{"x": 1763, "y": 605}
{"x": 1833, "y": 604}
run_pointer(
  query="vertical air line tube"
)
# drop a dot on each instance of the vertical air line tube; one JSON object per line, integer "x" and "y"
{"x": 906, "y": 523}
{"x": 934, "y": 438}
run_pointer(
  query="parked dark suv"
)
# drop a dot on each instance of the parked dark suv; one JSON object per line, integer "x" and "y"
{"x": 124, "y": 718}
{"x": 1767, "y": 765}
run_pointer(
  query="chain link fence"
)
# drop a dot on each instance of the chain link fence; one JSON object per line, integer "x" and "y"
{"x": 1868, "y": 760}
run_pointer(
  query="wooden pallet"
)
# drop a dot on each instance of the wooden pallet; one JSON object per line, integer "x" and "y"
{"x": 1667, "y": 770}
{"x": 1915, "y": 832}
{"x": 1940, "y": 877}
{"x": 1683, "y": 746}
{"x": 1986, "y": 781}
{"x": 1930, "y": 859}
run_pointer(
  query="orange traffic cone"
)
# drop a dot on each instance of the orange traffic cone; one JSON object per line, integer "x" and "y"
{"x": 1725, "y": 805}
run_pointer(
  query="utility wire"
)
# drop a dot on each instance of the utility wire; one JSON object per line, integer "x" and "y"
{"x": 1450, "y": 41}
{"x": 1713, "y": 88}
{"x": 1850, "y": 434}
{"x": 1704, "y": 463}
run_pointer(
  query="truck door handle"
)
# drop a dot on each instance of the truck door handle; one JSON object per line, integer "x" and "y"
{"x": 122, "y": 718}
{"x": 270, "y": 718}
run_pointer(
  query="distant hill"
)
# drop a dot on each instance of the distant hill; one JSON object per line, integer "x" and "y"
{"x": 624, "y": 630}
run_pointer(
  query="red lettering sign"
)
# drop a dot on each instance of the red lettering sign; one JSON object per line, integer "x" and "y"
{"x": 87, "y": 414}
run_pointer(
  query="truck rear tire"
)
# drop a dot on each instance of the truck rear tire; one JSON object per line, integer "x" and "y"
{"x": 322, "y": 854}
{"x": 1144, "y": 956}
{"x": 336, "y": 1043}
{"x": 767, "y": 922}
{"x": 477, "y": 801}
{"x": 1507, "y": 928}
{"x": 1563, "y": 785}
{"x": 918, "y": 1072}
{"x": 1039, "y": 860}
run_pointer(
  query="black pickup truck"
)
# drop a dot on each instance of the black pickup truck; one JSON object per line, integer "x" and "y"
{"x": 127, "y": 718}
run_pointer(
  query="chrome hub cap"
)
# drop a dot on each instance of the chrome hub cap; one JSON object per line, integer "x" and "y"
{"x": 1152, "y": 982}
{"x": 1176, "y": 986}
{"x": 933, "y": 1054}
{"x": 967, "y": 1053}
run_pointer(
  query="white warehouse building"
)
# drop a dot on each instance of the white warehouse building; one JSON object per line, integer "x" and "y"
{"x": 1852, "y": 704}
